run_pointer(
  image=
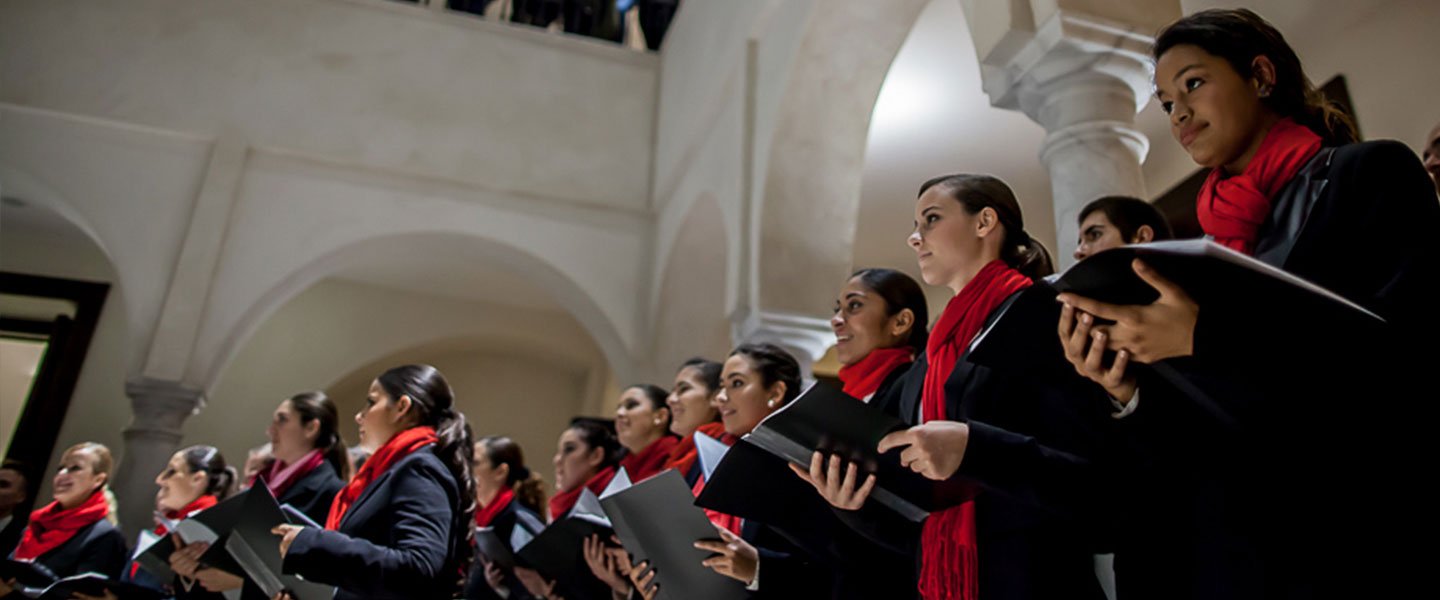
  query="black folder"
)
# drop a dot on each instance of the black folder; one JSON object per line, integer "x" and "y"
{"x": 558, "y": 552}
{"x": 257, "y": 551}
{"x": 494, "y": 549}
{"x": 1024, "y": 335}
{"x": 152, "y": 552}
{"x": 212, "y": 525}
{"x": 94, "y": 584}
{"x": 1216, "y": 277}
{"x": 26, "y": 573}
{"x": 657, "y": 521}
{"x": 831, "y": 422}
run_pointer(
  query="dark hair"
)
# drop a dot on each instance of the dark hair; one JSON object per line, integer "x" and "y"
{"x": 899, "y": 291}
{"x": 598, "y": 433}
{"x": 529, "y": 486}
{"x": 11, "y": 464}
{"x": 709, "y": 371}
{"x": 978, "y": 192}
{"x": 434, "y": 403}
{"x": 316, "y": 405}
{"x": 774, "y": 365}
{"x": 1238, "y": 36}
{"x": 656, "y": 395}
{"x": 1128, "y": 215}
{"x": 219, "y": 477}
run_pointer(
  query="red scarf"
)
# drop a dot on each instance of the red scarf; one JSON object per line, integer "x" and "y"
{"x": 1231, "y": 209}
{"x": 195, "y": 506}
{"x": 862, "y": 379}
{"x": 397, "y": 448}
{"x": 564, "y": 501}
{"x": 484, "y": 516}
{"x": 642, "y": 465}
{"x": 684, "y": 454}
{"x": 279, "y": 477}
{"x": 51, "y": 526}
{"x": 948, "y": 567}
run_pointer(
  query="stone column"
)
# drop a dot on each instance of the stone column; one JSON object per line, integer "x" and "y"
{"x": 1083, "y": 76}
{"x": 160, "y": 409}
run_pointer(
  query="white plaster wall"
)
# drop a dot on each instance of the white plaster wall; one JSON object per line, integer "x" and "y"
{"x": 366, "y": 81}
{"x": 337, "y": 333}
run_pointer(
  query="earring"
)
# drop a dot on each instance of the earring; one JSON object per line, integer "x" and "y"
{"x": 1265, "y": 91}
{"x": 771, "y": 403}
{"x": 657, "y": 421}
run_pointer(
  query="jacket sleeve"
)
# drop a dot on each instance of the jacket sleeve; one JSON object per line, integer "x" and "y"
{"x": 421, "y": 521}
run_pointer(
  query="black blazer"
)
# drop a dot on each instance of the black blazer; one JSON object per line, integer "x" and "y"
{"x": 1311, "y": 463}
{"x": 99, "y": 548}
{"x": 1038, "y": 450}
{"x": 314, "y": 492}
{"x": 514, "y": 515}
{"x": 786, "y": 570}
{"x": 401, "y": 539}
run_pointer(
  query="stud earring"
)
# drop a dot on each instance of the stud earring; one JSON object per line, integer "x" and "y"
{"x": 1265, "y": 91}
{"x": 771, "y": 403}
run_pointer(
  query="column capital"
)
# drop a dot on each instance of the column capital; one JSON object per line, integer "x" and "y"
{"x": 806, "y": 337}
{"x": 1052, "y": 46}
{"x": 161, "y": 407}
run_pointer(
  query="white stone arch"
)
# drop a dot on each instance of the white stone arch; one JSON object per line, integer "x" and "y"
{"x": 811, "y": 196}
{"x": 693, "y": 278}
{"x": 564, "y": 289}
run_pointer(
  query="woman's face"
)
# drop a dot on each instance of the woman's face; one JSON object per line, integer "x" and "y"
{"x": 861, "y": 323}
{"x": 744, "y": 399}
{"x": 691, "y": 402}
{"x": 380, "y": 418}
{"x": 290, "y": 437}
{"x": 637, "y": 422}
{"x": 179, "y": 486}
{"x": 489, "y": 479}
{"x": 1215, "y": 113}
{"x": 76, "y": 479}
{"x": 947, "y": 240}
{"x": 575, "y": 461}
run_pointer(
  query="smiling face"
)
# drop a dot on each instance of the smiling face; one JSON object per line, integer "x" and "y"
{"x": 1215, "y": 113}
{"x": 861, "y": 323}
{"x": 76, "y": 478}
{"x": 637, "y": 421}
{"x": 179, "y": 486}
{"x": 575, "y": 461}
{"x": 691, "y": 402}
{"x": 744, "y": 398}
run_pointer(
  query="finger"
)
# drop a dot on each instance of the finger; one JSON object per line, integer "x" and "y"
{"x": 864, "y": 492}
{"x": 280, "y": 529}
{"x": 1167, "y": 288}
{"x": 817, "y": 467}
{"x": 847, "y": 487}
{"x": 1080, "y": 337}
{"x": 1094, "y": 307}
{"x": 1067, "y": 321}
{"x": 832, "y": 476}
{"x": 911, "y": 456}
{"x": 1116, "y": 374}
{"x": 1094, "y": 359}
{"x": 725, "y": 534}
{"x": 712, "y": 546}
{"x": 896, "y": 439}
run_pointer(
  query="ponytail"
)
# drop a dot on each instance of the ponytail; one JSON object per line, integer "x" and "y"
{"x": 434, "y": 402}
{"x": 312, "y": 406}
{"x": 528, "y": 485}
{"x": 220, "y": 478}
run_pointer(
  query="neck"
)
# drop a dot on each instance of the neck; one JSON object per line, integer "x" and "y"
{"x": 968, "y": 271}
{"x": 1238, "y": 165}
{"x": 289, "y": 458}
{"x": 487, "y": 497}
{"x": 639, "y": 445}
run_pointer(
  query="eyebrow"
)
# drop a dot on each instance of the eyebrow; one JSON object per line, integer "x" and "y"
{"x": 855, "y": 295}
{"x": 1177, "y": 76}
